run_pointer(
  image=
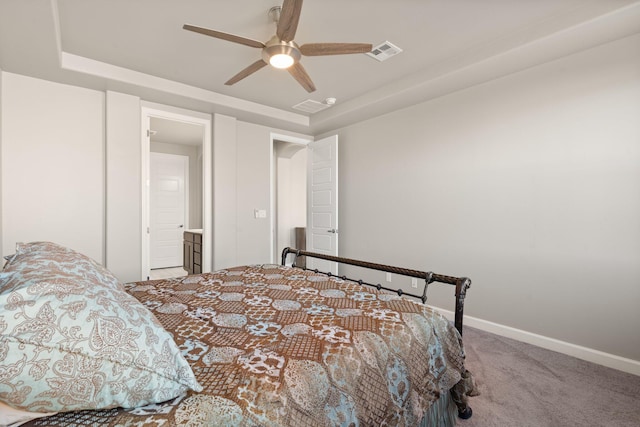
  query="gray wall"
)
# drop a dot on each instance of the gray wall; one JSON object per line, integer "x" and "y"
{"x": 225, "y": 245}
{"x": 124, "y": 192}
{"x": 254, "y": 188}
{"x": 53, "y": 177}
{"x": 529, "y": 184}
{"x": 242, "y": 154}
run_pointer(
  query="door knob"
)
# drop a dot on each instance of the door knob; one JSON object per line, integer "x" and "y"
{"x": 181, "y": 225}
{"x": 333, "y": 230}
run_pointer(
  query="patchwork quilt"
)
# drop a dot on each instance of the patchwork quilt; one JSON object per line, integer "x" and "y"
{"x": 278, "y": 346}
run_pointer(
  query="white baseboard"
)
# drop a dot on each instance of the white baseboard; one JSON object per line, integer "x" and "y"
{"x": 595, "y": 356}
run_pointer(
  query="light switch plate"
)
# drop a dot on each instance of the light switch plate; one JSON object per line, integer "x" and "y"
{"x": 260, "y": 213}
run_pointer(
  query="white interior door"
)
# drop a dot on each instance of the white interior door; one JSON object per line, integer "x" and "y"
{"x": 168, "y": 174}
{"x": 322, "y": 197}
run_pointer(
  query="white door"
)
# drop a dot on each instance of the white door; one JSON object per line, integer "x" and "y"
{"x": 168, "y": 182}
{"x": 322, "y": 196}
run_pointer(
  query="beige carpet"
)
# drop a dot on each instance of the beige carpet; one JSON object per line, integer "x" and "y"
{"x": 523, "y": 385}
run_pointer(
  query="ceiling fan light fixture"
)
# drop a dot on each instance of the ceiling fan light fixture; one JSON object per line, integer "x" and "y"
{"x": 281, "y": 60}
{"x": 280, "y": 54}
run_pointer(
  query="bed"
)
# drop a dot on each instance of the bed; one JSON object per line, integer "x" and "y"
{"x": 264, "y": 345}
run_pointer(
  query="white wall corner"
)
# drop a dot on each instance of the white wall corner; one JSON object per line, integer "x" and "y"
{"x": 590, "y": 355}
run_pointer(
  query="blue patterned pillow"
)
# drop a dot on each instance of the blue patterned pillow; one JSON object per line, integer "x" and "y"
{"x": 4, "y": 278}
{"x": 71, "y": 338}
{"x": 42, "y": 258}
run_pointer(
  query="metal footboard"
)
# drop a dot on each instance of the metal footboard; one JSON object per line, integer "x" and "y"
{"x": 461, "y": 283}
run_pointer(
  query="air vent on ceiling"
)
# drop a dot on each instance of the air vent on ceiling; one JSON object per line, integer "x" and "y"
{"x": 311, "y": 106}
{"x": 384, "y": 51}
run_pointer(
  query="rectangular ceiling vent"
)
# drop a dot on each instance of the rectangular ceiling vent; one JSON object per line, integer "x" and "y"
{"x": 384, "y": 51}
{"x": 311, "y": 106}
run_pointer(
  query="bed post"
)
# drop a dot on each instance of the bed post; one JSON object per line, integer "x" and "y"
{"x": 285, "y": 252}
{"x": 462, "y": 284}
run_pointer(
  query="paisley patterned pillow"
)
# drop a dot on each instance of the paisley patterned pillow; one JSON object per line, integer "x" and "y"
{"x": 71, "y": 338}
{"x": 31, "y": 257}
{"x": 4, "y": 278}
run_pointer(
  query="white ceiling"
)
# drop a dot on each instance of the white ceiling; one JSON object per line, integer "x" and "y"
{"x": 139, "y": 47}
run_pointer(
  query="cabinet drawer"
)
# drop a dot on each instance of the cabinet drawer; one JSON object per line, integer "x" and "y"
{"x": 192, "y": 237}
{"x": 197, "y": 248}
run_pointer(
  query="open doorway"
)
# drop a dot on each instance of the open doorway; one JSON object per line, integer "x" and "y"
{"x": 176, "y": 190}
{"x": 289, "y": 193}
{"x": 175, "y": 193}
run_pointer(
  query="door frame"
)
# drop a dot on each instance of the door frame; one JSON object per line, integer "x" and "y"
{"x": 273, "y": 137}
{"x": 185, "y": 160}
{"x": 149, "y": 110}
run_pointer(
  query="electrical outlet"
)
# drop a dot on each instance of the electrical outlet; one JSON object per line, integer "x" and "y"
{"x": 388, "y": 277}
{"x": 414, "y": 283}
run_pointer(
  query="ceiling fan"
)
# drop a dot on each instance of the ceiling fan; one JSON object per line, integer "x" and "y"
{"x": 281, "y": 51}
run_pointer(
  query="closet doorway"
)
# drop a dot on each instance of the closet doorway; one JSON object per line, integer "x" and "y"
{"x": 304, "y": 197}
{"x": 289, "y": 193}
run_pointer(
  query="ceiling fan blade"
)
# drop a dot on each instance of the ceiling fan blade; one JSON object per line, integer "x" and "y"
{"x": 320, "y": 49}
{"x": 288, "y": 22}
{"x": 300, "y": 74}
{"x": 224, "y": 36}
{"x": 246, "y": 72}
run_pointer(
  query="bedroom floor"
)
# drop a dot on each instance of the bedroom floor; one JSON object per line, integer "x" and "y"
{"x": 167, "y": 273}
{"x": 524, "y": 385}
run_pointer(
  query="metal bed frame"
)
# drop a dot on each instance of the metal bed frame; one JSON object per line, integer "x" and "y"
{"x": 461, "y": 283}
